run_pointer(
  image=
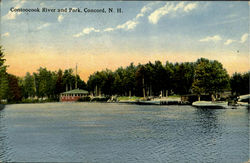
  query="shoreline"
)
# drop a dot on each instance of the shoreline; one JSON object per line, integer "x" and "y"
{"x": 170, "y": 100}
{"x": 142, "y": 103}
{"x": 2, "y": 106}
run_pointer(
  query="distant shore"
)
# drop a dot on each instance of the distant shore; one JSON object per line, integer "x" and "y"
{"x": 150, "y": 100}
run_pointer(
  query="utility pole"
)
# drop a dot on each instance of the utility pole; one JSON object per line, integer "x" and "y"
{"x": 143, "y": 87}
{"x": 76, "y": 78}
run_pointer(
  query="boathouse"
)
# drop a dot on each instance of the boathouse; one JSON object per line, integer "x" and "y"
{"x": 73, "y": 95}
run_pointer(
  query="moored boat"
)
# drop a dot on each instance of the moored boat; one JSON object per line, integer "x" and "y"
{"x": 244, "y": 100}
{"x": 210, "y": 104}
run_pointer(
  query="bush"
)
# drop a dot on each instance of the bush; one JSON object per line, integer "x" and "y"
{"x": 82, "y": 99}
{"x": 100, "y": 99}
{"x": 29, "y": 100}
{"x": 37, "y": 100}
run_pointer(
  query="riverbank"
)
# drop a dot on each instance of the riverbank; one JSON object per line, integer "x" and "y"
{"x": 2, "y": 106}
{"x": 171, "y": 100}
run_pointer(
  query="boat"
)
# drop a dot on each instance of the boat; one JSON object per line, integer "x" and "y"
{"x": 243, "y": 100}
{"x": 210, "y": 104}
{"x": 150, "y": 102}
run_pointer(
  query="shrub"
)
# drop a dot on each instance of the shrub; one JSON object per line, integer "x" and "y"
{"x": 82, "y": 99}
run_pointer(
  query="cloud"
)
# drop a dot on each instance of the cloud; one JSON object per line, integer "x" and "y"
{"x": 244, "y": 38}
{"x": 19, "y": 1}
{"x": 228, "y": 42}
{"x": 86, "y": 31}
{"x": 7, "y": 34}
{"x": 179, "y": 6}
{"x": 42, "y": 4}
{"x": 12, "y": 15}
{"x": 214, "y": 38}
{"x": 190, "y": 7}
{"x": 78, "y": 34}
{"x": 170, "y": 8}
{"x": 157, "y": 14}
{"x": 128, "y": 25}
{"x": 43, "y": 26}
{"x": 144, "y": 10}
{"x": 131, "y": 24}
{"x": 60, "y": 18}
{"x": 108, "y": 29}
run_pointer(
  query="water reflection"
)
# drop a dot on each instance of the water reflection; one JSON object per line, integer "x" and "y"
{"x": 208, "y": 120}
{"x": 90, "y": 132}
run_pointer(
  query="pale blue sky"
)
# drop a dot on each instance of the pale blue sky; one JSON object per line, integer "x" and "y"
{"x": 145, "y": 31}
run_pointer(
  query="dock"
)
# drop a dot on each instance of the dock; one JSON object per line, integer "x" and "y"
{"x": 158, "y": 101}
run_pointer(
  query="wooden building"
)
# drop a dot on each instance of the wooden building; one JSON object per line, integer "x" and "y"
{"x": 73, "y": 95}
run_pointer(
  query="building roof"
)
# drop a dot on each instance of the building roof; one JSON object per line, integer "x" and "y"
{"x": 76, "y": 91}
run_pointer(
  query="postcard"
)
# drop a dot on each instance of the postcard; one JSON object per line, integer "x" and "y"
{"x": 124, "y": 81}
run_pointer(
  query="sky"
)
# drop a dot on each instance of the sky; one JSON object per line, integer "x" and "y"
{"x": 144, "y": 31}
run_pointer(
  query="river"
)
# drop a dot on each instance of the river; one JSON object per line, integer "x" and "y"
{"x": 106, "y": 132}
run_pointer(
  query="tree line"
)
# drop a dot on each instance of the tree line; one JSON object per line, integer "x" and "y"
{"x": 41, "y": 84}
{"x": 156, "y": 79}
{"x": 151, "y": 79}
{"x": 50, "y": 84}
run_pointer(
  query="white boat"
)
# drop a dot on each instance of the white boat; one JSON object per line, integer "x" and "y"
{"x": 243, "y": 104}
{"x": 244, "y": 100}
{"x": 210, "y": 104}
{"x": 244, "y": 97}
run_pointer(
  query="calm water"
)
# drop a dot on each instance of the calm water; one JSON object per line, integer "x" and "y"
{"x": 95, "y": 132}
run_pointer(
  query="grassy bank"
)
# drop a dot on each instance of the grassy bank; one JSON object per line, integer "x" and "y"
{"x": 95, "y": 99}
{"x": 135, "y": 98}
{"x": 127, "y": 98}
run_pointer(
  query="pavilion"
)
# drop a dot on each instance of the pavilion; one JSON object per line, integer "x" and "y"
{"x": 73, "y": 95}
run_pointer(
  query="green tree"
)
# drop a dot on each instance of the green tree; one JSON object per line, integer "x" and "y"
{"x": 246, "y": 83}
{"x": 240, "y": 83}
{"x": 95, "y": 83}
{"x": 209, "y": 77}
{"x": 107, "y": 78}
{"x": 68, "y": 79}
{"x": 29, "y": 85}
{"x": 59, "y": 87}
{"x": 119, "y": 87}
{"x": 148, "y": 77}
{"x": 140, "y": 76}
{"x": 128, "y": 81}
{"x": 45, "y": 82}
{"x": 183, "y": 77}
{"x": 3, "y": 76}
{"x": 14, "y": 90}
{"x": 80, "y": 83}
{"x": 168, "y": 76}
